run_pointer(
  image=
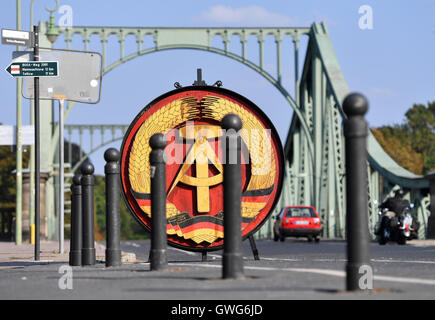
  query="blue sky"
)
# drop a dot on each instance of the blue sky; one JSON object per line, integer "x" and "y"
{"x": 392, "y": 64}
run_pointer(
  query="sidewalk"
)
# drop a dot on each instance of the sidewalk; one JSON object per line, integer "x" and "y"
{"x": 421, "y": 243}
{"x": 12, "y": 255}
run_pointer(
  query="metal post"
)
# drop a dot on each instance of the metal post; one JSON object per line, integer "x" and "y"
{"x": 158, "y": 256}
{"x": 37, "y": 147}
{"x": 254, "y": 247}
{"x": 232, "y": 263}
{"x": 88, "y": 182}
{"x": 32, "y": 179}
{"x": 61, "y": 177}
{"x": 19, "y": 151}
{"x": 75, "y": 253}
{"x": 355, "y": 131}
{"x": 32, "y": 159}
{"x": 296, "y": 53}
{"x": 204, "y": 256}
{"x": 278, "y": 59}
{"x": 113, "y": 224}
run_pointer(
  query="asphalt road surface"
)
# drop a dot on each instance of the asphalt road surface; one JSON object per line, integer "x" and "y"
{"x": 294, "y": 269}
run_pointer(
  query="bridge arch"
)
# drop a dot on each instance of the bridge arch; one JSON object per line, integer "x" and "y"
{"x": 316, "y": 174}
{"x": 276, "y": 83}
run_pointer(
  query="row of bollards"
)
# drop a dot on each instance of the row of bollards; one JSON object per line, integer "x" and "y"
{"x": 82, "y": 221}
{"x": 82, "y": 243}
{"x": 82, "y": 248}
{"x": 232, "y": 262}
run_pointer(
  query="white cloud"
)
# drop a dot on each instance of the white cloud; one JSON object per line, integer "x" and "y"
{"x": 245, "y": 16}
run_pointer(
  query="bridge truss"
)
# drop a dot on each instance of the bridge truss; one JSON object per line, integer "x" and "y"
{"x": 314, "y": 148}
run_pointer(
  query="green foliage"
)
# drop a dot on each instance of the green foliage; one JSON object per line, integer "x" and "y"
{"x": 130, "y": 228}
{"x": 8, "y": 184}
{"x": 412, "y": 144}
{"x": 396, "y": 148}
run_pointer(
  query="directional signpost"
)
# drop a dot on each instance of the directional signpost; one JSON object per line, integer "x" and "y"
{"x": 34, "y": 69}
{"x": 17, "y": 38}
{"x": 79, "y": 80}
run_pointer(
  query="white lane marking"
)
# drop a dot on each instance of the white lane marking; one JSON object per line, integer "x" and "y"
{"x": 344, "y": 260}
{"x": 214, "y": 256}
{"x": 329, "y": 272}
{"x": 405, "y": 280}
{"x": 406, "y": 261}
{"x": 280, "y": 259}
{"x": 133, "y": 244}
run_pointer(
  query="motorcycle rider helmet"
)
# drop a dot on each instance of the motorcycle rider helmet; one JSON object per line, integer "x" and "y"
{"x": 399, "y": 193}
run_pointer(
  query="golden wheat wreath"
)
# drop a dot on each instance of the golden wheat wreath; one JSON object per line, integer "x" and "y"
{"x": 212, "y": 107}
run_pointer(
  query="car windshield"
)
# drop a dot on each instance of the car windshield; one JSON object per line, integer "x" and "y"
{"x": 300, "y": 213}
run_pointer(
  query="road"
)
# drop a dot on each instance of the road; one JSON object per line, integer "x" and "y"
{"x": 294, "y": 269}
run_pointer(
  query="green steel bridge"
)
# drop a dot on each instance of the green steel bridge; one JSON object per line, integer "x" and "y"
{"x": 314, "y": 148}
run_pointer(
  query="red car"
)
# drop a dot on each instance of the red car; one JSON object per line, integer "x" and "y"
{"x": 298, "y": 221}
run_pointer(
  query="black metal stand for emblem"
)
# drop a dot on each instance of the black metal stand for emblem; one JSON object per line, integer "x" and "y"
{"x": 254, "y": 247}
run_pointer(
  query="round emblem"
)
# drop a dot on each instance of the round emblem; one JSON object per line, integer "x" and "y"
{"x": 189, "y": 117}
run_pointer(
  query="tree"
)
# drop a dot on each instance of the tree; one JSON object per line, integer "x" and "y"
{"x": 8, "y": 163}
{"x": 421, "y": 127}
{"x": 401, "y": 152}
{"x": 411, "y": 144}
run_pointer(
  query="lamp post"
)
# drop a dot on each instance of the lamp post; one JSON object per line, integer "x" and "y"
{"x": 19, "y": 183}
{"x": 52, "y": 37}
{"x": 52, "y": 34}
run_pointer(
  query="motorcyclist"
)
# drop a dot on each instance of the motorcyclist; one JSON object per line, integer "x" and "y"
{"x": 397, "y": 208}
{"x": 396, "y": 204}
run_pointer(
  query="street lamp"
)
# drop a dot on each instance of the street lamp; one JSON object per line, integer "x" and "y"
{"x": 52, "y": 31}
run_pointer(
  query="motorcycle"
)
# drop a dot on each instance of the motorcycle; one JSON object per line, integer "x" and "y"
{"x": 395, "y": 228}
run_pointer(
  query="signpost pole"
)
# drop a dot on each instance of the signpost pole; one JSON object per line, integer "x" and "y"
{"x": 37, "y": 147}
{"x": 61, "y": 177}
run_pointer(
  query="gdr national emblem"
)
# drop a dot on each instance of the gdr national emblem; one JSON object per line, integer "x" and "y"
{"x": 189, "y": 118}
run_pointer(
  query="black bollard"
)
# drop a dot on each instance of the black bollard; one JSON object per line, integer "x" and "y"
{"x": 159, "y": 260}
{"x": 355, "y": 131}
{"x": 113, "y": 224}
{"x": 88, "y": 182}
{"x": 232, "y": 263}
{"x": 75, "y": 253}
